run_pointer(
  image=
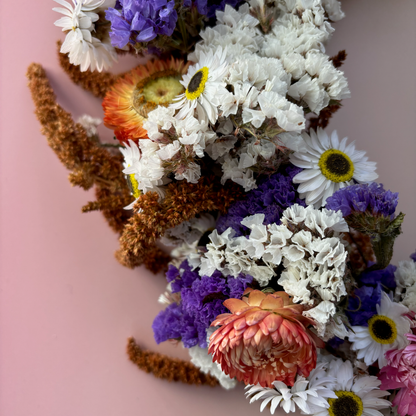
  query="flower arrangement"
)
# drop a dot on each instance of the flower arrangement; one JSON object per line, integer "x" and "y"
{"x": 279, "y": 271}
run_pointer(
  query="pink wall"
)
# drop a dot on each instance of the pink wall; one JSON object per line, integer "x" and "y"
{"x": 66, "y": 305}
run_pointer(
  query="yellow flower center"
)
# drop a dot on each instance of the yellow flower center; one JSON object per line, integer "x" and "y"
{"x": 336, "y": 166}
{"x": 133, "y": 184}
{"x": 347, "y": 404}
{"x": 197, "y": 83}
{"x": 382, "y": 329}
{"x": 163, "y": 90}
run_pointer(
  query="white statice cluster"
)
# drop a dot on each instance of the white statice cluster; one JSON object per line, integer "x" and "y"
{"x": 405, "y": 277}
{"x": 189, "y": 232}
{"x": 297, "y": 38}
{"x": 309, "y": 246}
{"x": 81, "y": 42}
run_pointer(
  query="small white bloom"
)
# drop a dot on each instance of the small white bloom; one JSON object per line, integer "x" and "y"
{"x": 329, "y": 165}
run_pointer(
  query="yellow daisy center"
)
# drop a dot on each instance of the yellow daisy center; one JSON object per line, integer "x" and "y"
{"x": 382, "y": 329}
{"x": 197, "y": 83}
{"x": 133, "y": 185}
{"x": 336, "y": 166}
{"x": 347, "y": 404}
{"x": 162, "y": 90}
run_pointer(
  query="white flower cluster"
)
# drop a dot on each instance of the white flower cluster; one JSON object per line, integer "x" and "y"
{"x": 82, "y": 47}
{"x": 245, "y": 96}
{"x": 203, "y": 360}
{"x": 189, "y": 232}
{"x": 297, "y": 39}
{"x": 307, "y": 244}
{"x": 405, "y": 277}
{"x": 331, "y": 379}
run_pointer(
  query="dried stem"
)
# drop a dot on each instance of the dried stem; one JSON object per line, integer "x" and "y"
{"x": 182, "y": 202}
{"x": 171, "y": 369}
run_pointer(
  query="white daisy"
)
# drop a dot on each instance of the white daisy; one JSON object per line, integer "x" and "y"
{"x": 308, "y": 395}
{"x": 205, "y": 87}
{"x": 385, "y": 331}
{"x": 82, "y": 47}
{"x": 356, "y": 396}
{"x": 329, "y": 165}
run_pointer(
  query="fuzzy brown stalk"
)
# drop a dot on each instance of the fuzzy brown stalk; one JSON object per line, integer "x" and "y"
{"x": 360, "y": 250}
{"x": 339, "y": 59}
{"x": 324, "y": 116}
{"x": 90, "y": 164}
{"x": 97, "y": 83}
{"x": 183, "y": 201}
{"x": 170, "y": 369}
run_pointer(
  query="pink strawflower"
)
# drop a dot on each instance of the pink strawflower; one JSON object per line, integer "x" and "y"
{"x": 400, "y": 373}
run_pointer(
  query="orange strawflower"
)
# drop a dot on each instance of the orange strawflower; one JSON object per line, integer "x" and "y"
{"x": 264, "y": 339}
{"x": 140, "y": 91}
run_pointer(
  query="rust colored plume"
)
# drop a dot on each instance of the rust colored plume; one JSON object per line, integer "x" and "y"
{"x": 90, "y": 163}
{"x": 171, "y": 369}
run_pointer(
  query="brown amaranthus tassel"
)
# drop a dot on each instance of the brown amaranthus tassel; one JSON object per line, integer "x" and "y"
{"x": 183, "y": 201}
{"x": 171, "y": 369}
{"x": 97, "y": 83}
{"x": 339, "y": 59}
{"x": 90, "y": 163}
{"x": 360, "y": 250}
{"x": 324, "y": 116}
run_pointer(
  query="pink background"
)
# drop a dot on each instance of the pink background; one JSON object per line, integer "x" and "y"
{"x": 66, "y": 305}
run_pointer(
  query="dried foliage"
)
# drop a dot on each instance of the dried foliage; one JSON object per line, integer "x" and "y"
{"x": 360, "y": 250}
{"x": 339, "y": 59}
{"x": 182, "y": 202}
{"x": 90, "y": 163}
{"x": 171, "y": 369}
{"x": 324, "y": 116}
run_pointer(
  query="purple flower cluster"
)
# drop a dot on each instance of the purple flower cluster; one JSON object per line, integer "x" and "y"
{"x": 202, "y": 300}
{"x": 209, "y": 7}
{"x": 364, "y": 198}
{"x": 271, "y": 198}
{"x": 141, "y": 20}
{"x": 362, "y": 305}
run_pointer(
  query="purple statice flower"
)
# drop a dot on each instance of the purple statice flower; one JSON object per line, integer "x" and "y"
{"x": 141, "y": 20}
{"x": 413, "y": 256}
{"x": 272, "y": 196}
{"x": 362, "y": 304}
{"x": 384, "y": 277}
{"x": 209, "y": 7}
{"x": 364, "y": 197}
{"x": 202, "y": 300}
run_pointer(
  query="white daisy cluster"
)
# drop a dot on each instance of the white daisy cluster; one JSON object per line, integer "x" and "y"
{"x": 81, "y": 43}
{"x": 307, "y": 244}
{"x": 331, "y": 389}
{"x": 405, "y": 277}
